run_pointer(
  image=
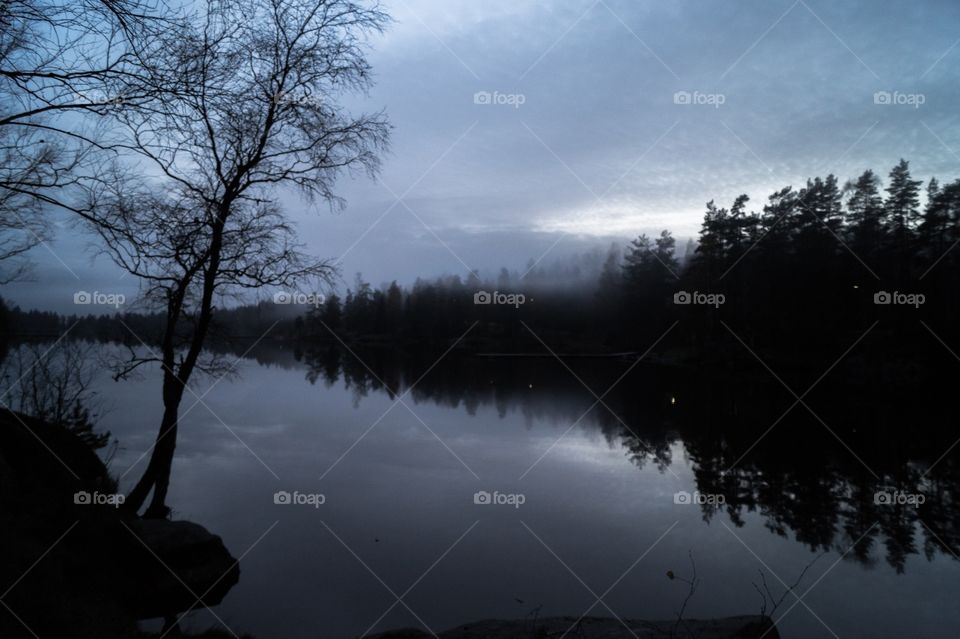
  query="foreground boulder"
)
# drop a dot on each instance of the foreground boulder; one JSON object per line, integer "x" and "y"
{"x": 181, "y": 566}
{"x": 73, "y": 566}
{"x": 42, "y": 457}
{"x": 747, "y": 627}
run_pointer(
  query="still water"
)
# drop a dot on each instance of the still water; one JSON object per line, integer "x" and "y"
{"x": 400, "y": 541}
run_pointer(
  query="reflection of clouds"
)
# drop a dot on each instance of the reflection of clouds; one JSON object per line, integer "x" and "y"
{"x": 584, "y": 449}
{"x": 401, "y": 488}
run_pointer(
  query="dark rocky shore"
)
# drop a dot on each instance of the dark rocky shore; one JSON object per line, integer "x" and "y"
{"x": 73, "y": 567}
{"x": 749, "y": 627}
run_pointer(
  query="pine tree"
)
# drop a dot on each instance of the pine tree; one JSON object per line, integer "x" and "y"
{"x": 330, "y": 313}
{"x": 736, "y": 230}
{"x": 711, "y": 251}
{"x": 903, "y": 201}
{"x": 937, "y": 229}
{"x": 819, "y": 216}
{"x": 866, "y": 215}
{"x": 638, "y": 262}
{"x": 666, "y": 246}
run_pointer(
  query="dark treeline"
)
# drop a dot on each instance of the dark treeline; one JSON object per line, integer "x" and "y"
{"x": 806, "y": 271}
{"x": 243, "y": 322}
{"x": 810, "y": 272}
{"x": 801, "y": 478}
{"x": 795, "y": 281}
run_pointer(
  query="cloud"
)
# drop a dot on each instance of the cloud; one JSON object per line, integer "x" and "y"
{"x": 600, "y": 145}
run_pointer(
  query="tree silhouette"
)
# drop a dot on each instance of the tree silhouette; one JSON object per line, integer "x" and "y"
{"x": 243, "y": 100}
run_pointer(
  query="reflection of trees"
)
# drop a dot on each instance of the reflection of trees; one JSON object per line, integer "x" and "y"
{"x": 798, "y": 477}
{"x": 803, "y": 480}
{"x": 53, "y": 383}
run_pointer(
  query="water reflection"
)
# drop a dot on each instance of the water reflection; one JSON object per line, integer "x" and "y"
{"x": 599, "y": 499}
{"x": 846, "y": 468}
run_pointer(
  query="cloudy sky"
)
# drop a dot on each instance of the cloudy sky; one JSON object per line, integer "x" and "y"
{"x": 534, "y": 129}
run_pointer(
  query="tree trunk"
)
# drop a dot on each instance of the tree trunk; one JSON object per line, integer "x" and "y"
{"x": 164, "y": 454}
{"x": 157, "y": 474}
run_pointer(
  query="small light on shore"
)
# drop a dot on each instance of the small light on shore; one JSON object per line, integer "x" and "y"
{"x": 673, "y": 401}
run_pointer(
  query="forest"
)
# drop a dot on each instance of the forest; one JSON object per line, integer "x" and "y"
{"x": 808, "y": 273}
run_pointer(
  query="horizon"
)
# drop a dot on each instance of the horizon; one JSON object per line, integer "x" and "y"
{"x": 496, "y": 166}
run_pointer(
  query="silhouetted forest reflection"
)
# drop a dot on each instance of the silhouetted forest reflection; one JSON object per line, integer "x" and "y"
{"x": 600, "y": 447}
{"x": 812, "y": 466}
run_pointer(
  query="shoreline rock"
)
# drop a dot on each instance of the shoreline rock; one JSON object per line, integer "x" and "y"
{"x": 743, "y": 627}
{"x": 101, "y": 571}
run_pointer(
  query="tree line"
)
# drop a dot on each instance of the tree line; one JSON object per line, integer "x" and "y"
{"x": 799, "y": 276}
{"x": 814, "y": 268}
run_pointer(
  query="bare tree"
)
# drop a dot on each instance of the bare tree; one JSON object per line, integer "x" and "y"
{"x": 54, "y": 383}
{"x": 244, "y": 101}
{"x": 767, "y": 596}
{"x": 692, "y": 584}
{"x": 63, "y": 67}
{"x": 21, "y": 224}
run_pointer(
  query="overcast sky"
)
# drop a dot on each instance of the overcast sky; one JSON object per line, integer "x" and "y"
{"x": 533, "y": 129}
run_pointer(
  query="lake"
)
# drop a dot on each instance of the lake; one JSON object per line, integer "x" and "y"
{"x": 584, "y": 504}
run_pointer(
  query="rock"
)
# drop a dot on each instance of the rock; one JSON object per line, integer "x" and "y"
{"x": 34, "y": 451}
{"x": 105, "y": 572}
{"x": 746, "y": 627}
{"x": 403, "y": 633}
{"x": 184, "y": 562}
